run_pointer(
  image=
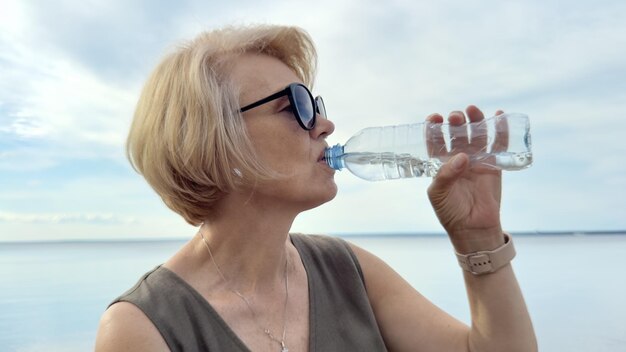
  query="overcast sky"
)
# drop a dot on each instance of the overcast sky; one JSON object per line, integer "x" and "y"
{"x": 71, "y": 72}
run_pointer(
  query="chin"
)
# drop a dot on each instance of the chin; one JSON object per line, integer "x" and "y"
{"x": 322, "y": 197}
{"x": 316, "y": 198}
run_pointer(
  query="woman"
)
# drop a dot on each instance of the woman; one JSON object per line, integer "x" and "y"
{"x": 228, "y": 135}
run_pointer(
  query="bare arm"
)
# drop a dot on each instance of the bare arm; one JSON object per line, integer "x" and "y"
{"x": 467, "y": 203}
{"x": 500, "y": 319}
{"x": 124, "y": 327}
{"x": 409, "y": 322}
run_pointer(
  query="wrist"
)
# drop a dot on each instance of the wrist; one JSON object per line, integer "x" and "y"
{"x": 476, "y": 241}
{"x": 488, "y": 261}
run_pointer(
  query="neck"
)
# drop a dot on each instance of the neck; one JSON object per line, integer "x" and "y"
{"x": 249, "y": 244}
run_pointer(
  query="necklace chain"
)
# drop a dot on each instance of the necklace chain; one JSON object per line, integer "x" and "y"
{"x": 267, "y": 331}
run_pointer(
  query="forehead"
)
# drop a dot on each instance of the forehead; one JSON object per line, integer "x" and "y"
{"x": 258, "y": 75}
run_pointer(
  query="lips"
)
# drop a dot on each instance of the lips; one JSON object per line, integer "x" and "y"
{"x": 321, "y": 159}
{"x": 322, "y": 156}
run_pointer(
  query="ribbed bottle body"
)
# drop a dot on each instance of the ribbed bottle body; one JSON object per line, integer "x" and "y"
{"x": 415, "y": 150}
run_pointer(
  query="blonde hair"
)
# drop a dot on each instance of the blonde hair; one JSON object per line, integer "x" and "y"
{"x": 187, "y": 138}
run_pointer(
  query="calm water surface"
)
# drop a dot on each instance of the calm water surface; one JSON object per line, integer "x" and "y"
{"x": 52, "y": 294}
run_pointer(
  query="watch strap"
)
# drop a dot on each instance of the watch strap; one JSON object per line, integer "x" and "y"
{"x": 485, "y": 262}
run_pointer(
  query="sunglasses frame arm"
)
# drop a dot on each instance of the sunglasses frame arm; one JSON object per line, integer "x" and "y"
{"x": 266, "y": 99}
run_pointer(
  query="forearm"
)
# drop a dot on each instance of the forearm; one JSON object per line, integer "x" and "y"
{"x": 500, "y": 319}
{"x": 467, "y": 203}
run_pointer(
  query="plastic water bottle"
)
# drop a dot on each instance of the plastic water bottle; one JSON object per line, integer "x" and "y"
{"x": 391, "y": 152}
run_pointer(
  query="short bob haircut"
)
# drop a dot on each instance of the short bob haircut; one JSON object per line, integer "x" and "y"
{"x": 188, "y": 138}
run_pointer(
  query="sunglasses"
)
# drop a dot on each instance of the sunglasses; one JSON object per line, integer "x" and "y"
{"x": 305, "y": 108}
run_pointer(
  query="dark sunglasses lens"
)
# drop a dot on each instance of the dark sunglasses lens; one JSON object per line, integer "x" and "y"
{"x": 321, "y": 108}
{"x": 304, "y": 106}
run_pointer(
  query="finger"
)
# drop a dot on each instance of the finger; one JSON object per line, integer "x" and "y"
{"x": 434, "y": 137}
{"x": 501, "y": 140}
{"x": 456, "y": 118}
{"x": 447, "y": 175}
{"x": 458, "y": 132}
{"x": 474, "y": 114}
{"x": 478, "y": 129}
{"x": 434, "y": 118}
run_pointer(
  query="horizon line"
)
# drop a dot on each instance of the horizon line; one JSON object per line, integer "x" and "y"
{"x": 342, "y": 235}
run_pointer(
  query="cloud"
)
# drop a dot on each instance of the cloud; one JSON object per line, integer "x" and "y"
{"x": 59, "y": 218}
{"x": 24, "y": 128}
{"x": 71, "y": 73}
{"x": 63, "y": 102}
{"x": 49, "y": 98}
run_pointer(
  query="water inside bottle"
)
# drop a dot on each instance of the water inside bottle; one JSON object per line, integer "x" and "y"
{"x": 386, "y": 166}
{"x": 513, "y": 161}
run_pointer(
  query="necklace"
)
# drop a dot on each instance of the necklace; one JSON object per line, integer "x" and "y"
{"x": 266, "y": 331}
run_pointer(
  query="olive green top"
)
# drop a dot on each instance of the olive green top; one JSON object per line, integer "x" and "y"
{"x": 341, "y": 318}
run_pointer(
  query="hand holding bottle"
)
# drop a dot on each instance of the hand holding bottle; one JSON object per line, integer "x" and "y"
{"x": 467, "y": 200}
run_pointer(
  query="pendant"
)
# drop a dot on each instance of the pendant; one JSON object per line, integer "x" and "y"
{"x": 282, "y": 347}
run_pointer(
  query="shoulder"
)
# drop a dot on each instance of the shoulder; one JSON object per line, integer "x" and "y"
{"x": 381, "y": 280}
{"x": 124, "y": 327}
{"x": 329, "y": 254}
{"x": 321, "y": 243}
{"x": 324, "y": 247}
{"x": 330, "y": 245}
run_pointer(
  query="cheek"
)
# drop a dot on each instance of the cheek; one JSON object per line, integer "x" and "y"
{"x": 282, "y": 152}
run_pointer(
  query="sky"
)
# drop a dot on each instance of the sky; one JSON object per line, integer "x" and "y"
{"x": 71, "y": 72}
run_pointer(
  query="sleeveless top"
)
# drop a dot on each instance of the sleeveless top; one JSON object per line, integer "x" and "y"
{"x": 341, "y": 317}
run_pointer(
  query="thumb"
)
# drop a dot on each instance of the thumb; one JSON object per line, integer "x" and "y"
{"x": 449, "y": 173}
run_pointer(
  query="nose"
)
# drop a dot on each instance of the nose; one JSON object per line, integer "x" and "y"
{"x": 323, "y": 127}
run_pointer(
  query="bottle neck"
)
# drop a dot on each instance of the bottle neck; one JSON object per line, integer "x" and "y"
{"x": 334, "y": 157}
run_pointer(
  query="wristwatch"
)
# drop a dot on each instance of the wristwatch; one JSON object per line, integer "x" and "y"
{"x": 486, "y": 262}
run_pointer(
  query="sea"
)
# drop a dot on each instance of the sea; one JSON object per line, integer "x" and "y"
{"x": 52, "y": 294}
